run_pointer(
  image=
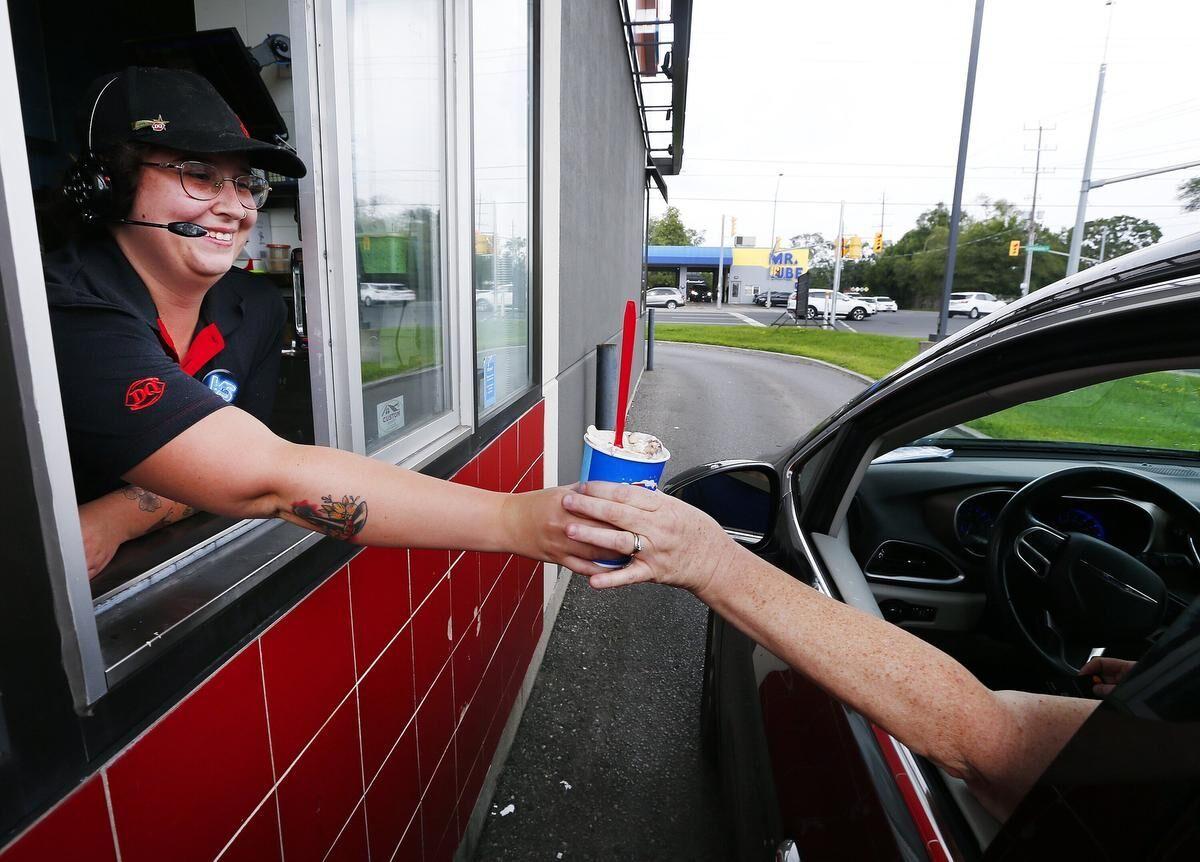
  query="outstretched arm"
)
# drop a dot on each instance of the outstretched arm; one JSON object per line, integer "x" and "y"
{"x": 998, "y": 742}
{"x": 127, "y": 513}
{"x": 231, "y": 464}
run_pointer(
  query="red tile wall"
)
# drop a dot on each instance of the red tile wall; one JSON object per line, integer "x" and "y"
{"x": 367, "y": 717}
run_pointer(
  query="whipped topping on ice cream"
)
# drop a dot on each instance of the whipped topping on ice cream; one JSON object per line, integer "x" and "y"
{"x": 638, "y": 446}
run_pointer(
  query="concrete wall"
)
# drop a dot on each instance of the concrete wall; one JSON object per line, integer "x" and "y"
{"x": 601, "y": 216}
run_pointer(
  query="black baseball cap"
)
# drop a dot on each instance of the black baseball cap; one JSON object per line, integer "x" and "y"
{"x": 178, "y": 110}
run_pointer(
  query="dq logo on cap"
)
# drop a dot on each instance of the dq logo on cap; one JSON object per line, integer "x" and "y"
{"x": 222, "y": 383}
{"x": 142, "y": 393}
{"x": 158, "y": 124}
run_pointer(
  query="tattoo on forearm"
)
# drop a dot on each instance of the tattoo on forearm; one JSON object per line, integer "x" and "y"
{"x": 147, "y": 501}
{"x": 342, "y": 519}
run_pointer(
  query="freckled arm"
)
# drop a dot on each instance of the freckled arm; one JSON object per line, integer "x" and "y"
{"x": 998, "y": 742}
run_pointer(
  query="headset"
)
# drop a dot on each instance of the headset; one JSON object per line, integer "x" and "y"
{"x": 88, "y": 187}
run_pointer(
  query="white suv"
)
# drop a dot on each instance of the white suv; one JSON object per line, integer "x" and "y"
{"x": 974, "y": 304}
{"x": 665, "y": 297}
{"x": 852, "y": 307}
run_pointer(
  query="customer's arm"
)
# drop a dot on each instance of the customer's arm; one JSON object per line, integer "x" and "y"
{"x": 999, "y": 742}
{"x": 120, "y": 516}
{"x": 229, "y": 463}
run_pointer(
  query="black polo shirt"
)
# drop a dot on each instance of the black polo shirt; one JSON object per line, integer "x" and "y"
{"x": 125, "y": 392}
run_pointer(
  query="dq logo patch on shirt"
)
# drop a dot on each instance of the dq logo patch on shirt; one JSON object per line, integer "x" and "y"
{"x": 221, "y": 382}
{"x": 142, "y": 393}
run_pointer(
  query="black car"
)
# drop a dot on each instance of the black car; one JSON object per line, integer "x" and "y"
{"x": 1022, "y": 496}
{"x": 772, "y": 298}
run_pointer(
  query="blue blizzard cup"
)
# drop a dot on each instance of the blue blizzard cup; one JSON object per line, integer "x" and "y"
{"x": 602, "y": 462}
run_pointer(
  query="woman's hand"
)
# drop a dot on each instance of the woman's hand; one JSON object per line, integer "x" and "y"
{"x": 535, "y": 525}
{"x": 102, "y": 535}
{"x": 681, "y": 546}
{"x": 1106, "y": 673}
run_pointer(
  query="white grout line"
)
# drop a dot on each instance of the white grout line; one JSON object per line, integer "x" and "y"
{"x": 414, "y": 823}
{"x": 362, "y": 775}
{"x": 246, "y": 823}
{"x": 112, "y": 816}
{"x": 270, "y": 750}
{"x": 363, "y": 802}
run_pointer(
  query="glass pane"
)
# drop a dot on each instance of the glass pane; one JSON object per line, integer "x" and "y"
{"x": 399, "y": 157}
{"x": 501, "y": 130}
{"x": 1160, "y": 410}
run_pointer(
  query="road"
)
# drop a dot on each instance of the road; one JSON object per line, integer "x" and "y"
{"x": 914, "y": 324}
{"x": 606, "y": 764}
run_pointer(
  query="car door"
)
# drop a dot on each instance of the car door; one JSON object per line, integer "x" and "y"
{"x": 756, "y": 709}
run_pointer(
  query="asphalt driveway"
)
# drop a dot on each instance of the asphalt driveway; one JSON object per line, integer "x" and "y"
{"x": 606, "y": 764}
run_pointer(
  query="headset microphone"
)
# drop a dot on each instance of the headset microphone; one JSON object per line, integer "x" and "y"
{"x": 179, "y": 228}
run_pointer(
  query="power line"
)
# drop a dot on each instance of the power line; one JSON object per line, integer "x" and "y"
{"x": 874, "y": 203}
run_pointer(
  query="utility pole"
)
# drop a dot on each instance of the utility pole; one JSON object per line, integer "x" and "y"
{"x": 721, "y": 263}
{"x": 1037, "y": 170}
{"x": 1087, "y": 185}
{"x": 882, "y": 208}
{"x": 775, "y": 209}
{"x": 959, "y": 173}
{"x": 831, "y": 299}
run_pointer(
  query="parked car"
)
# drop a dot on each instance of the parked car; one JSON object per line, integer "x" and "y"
{"x": 870, "y": 301}
{"x": 974, "y": 305}
{"x": 382, "y": 293}
{"x": 698, "y": 289}
{"x": 1067, "y": 528}
{"x": 884, "y": 303}
{"x": 820, "y": 301}
{"x": 493, "y": 298}
{"x": 773, "y": 297}
{"x": 665, "y": 297}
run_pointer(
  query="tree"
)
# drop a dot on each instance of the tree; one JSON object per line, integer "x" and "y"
{"x": 1189, "y": 193}
{"x": 670, "y": 230}
{"x": 820, "y": 250}
{"x": 1122, "y": 234}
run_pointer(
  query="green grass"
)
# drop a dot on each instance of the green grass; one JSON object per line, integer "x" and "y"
{"x": 412, "y": 348}
{"x": 872, "y": 355}
{"x": 1160, "y": 410}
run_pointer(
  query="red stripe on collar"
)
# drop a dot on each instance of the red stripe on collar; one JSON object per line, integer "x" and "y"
{"x": 207, "y": 344}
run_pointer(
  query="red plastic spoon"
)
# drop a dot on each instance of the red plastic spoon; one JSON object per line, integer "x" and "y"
{"x": 627, "y": 335}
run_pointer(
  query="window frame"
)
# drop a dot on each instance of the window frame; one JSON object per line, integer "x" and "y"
{"x": 321, "y": 77}
{"x": 498, "y": 412}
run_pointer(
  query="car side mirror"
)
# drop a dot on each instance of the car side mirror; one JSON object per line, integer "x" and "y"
{"x": 741, "y": 496}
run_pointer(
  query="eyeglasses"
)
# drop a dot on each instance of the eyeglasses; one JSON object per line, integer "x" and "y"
{"x": 203, "y": 182}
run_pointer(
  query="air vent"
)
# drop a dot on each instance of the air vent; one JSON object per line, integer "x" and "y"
{"x": 904, "y": 561}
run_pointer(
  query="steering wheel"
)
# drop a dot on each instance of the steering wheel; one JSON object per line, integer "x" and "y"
{"x": 1063, "y": 593}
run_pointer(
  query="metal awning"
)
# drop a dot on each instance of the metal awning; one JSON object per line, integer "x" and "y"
{"x": 658, "y": 35}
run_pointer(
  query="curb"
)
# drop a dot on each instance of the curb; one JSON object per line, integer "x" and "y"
{"x": 805, "y": 359}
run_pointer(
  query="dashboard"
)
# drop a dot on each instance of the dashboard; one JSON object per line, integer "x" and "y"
{"x": 928, "y": 524}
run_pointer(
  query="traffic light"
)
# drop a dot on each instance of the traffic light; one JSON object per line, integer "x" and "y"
{"x": 877, "y": 243}
{"x": 1014, "y": 248}
{"x": 844, "y": 251}
{"x": 856, "y": 245}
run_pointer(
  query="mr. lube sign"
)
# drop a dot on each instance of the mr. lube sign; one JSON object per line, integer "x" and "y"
{"x": 787, "y": 264}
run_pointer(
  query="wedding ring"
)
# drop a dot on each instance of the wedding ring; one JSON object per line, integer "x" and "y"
{"x": 637, "y": 544}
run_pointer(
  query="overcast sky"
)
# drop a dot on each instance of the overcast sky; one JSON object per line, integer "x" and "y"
{"x": 857, "y": 101}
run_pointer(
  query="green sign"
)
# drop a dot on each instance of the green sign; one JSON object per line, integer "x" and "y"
{"x": 1039, "y": 248}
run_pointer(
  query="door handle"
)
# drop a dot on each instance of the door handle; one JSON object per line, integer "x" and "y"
{"x": 298, "y": 312}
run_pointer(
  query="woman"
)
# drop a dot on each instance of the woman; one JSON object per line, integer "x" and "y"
{"x": 999, "y": 742}
{"x": 168, "y": 357}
